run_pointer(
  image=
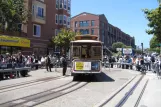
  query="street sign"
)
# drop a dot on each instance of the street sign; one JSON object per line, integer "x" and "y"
{"x": 127, "y": 51}
{"x": 119, "y": 49}
{"x": 158, "y": 44}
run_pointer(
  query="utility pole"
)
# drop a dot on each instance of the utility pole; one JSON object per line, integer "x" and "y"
{"x": 142, "y": 47}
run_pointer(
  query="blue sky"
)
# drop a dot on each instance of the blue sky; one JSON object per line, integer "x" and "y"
{"x": 125, "y": 14}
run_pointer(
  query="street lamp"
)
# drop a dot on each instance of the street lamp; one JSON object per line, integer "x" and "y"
{"x": 142, "y": 47}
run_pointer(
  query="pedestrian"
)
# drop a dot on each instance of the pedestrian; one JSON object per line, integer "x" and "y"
{"x": 48, "y": 64}
{"x": 64, "y": 64}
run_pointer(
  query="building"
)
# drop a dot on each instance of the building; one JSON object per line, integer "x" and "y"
{"x": 87, "y": 23}
{"x": 48, "y": 17}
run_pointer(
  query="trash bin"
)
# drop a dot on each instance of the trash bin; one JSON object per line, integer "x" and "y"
{"x": 131, "y": 67}
{"x": 127, "y": 66}
{"x": 123, "y": 66}
{"x": 111, "y": 65}
{"x": 36, "y": 66}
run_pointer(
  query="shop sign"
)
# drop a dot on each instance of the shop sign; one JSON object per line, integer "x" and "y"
{"x": 14, "y": 41}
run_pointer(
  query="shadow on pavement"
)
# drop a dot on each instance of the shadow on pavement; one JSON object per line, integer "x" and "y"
{"x": 93, "y": 78}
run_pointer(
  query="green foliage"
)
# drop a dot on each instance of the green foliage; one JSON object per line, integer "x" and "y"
{"x": 128, "y": 46}
{"x": 118, "y": 45}
{"x": 12, "y": 12}
{"x": 63, "y": 38}
{"x": 117, "y": 54}
{"x": 154, "y": 18}
{"x": 138, "y": 51}
{"x": 153, "y": 42}
{"x": 154, "y": 50}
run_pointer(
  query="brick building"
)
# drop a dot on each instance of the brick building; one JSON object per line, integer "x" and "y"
{"x": 48, "y": 17}
{"x": 94, "y": 24}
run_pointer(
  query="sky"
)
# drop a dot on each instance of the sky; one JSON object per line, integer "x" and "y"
{"x": 125, "y": 14}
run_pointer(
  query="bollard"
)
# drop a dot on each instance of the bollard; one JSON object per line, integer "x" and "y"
{"x": 131, "y": 67}
{"x": 111, "y": 65}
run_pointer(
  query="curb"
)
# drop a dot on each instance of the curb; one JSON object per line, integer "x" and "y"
{"x": 108, "y": 98}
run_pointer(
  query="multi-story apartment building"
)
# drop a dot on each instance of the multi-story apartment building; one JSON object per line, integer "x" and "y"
{"x": 48, "y": 17}
{"x": 87, "y": 23}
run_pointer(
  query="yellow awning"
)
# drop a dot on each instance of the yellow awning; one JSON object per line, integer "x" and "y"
{"x": 14, "y": 41}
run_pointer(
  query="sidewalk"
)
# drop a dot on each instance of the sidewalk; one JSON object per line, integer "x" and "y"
{"x": 152, "y": 94}
{"x": 33, "y": 75}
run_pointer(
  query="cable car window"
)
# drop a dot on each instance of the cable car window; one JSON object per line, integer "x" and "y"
{"x": 76, "y": 51}
{"x": 97, "y": 51}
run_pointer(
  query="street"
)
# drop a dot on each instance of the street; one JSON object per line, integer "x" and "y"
{"x": 51, "y": 89}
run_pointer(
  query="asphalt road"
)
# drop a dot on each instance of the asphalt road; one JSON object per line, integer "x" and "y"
{"x": 51, "y": 89}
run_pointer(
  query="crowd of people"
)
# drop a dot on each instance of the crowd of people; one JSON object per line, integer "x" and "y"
{"x": 150, "y": 62}
{"x": 20, "y": 60}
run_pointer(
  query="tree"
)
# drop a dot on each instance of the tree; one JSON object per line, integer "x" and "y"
{"x": 12, "y": 13}
{"x": 154, "y": 42}
{"x": 63, "y": 39}
{"x": 138, "y": 51}
{"x": 128, "y": 46}
{"x": 154, "y": 18}
{"x": 118, "y": 45}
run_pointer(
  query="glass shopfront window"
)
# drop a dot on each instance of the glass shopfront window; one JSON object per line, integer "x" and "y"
{"x": 8, "y": 49}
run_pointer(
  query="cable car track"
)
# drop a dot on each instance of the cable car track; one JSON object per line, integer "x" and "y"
{"x": 118, "y": 101}
{"x": 47, "y": 95}
{"x": 28, "y": 83}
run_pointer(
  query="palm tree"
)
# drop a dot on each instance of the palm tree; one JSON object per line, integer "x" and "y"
{"x": 159, "y": 1}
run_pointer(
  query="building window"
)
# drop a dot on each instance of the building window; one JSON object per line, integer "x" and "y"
{"x": 68, "y": 21}
{"x": 65, "y": 19}
{"x": 40, "y": 12}
{"x": 84, "y": 31}
{"x": 76, "y": 24}
{"x": 56, "y": 32}
{"x": 60, "y": 19}
{"x": 92, "y": 31}
{"x": 103, "y": 25}
{"x": 56, "y": 19}
{"x": 75, "y": 30}
{"x": 69, "y": 6}
{"x": 36, "y": 30}
{"x": 33, "y": 9}
{"x": 103, "y": 35}
{"x": 60, "y": 4}
{"x": 57, "y": 4}
{"x": 65, "y": 4}
{"x": 92, "y": 23}
{"x": 84, "y": 23}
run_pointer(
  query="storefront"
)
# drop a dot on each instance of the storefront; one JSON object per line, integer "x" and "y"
{"x": 10, "y": 44}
